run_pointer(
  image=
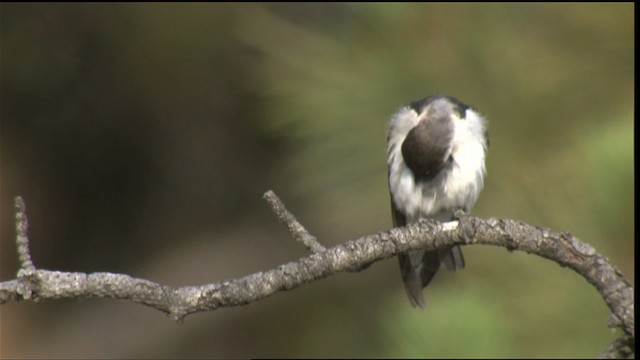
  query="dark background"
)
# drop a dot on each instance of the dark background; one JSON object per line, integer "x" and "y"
{"x": 142, "y": 137}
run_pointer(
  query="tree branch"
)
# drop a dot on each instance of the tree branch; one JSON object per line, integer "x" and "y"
{"x": 287, "y": 219}
{"x": 562, "y": 248}
{"x": 22, "y": 239}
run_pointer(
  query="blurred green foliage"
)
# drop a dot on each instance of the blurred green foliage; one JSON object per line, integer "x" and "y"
{"x": 156, "y": 122}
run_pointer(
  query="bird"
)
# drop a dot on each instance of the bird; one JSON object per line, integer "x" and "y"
{"x": 436, "y": 149}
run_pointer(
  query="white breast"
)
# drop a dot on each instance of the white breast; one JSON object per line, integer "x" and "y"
{"x": 457, "y": 186}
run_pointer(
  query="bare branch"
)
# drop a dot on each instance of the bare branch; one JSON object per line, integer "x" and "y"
{"x": 287, "y": 219}
{"x": 561, "y": 248}
{"x": 22, "y": 238}
{"x": 565, "y": 250}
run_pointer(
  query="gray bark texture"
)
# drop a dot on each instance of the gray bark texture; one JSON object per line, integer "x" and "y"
{"x": 35, "y": 284}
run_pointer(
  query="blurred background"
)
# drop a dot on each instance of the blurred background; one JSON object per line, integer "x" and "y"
{"x": 142, "y": 137}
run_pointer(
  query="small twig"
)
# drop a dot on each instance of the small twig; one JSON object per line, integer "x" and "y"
{"x": 22, "y": 238}
{"x": 287, "y": 219}
{"x": 27, "y": 275}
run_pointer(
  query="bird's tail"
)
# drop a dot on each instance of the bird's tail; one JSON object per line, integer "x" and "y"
{"x": 419, "y": 267}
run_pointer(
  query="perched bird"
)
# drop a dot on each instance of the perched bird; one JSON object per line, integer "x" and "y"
{"x": 436, "y": 148}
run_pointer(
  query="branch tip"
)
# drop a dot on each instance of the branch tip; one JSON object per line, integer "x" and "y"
{"x": 298, "y": 231}
{"x": 22, "y": 237}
